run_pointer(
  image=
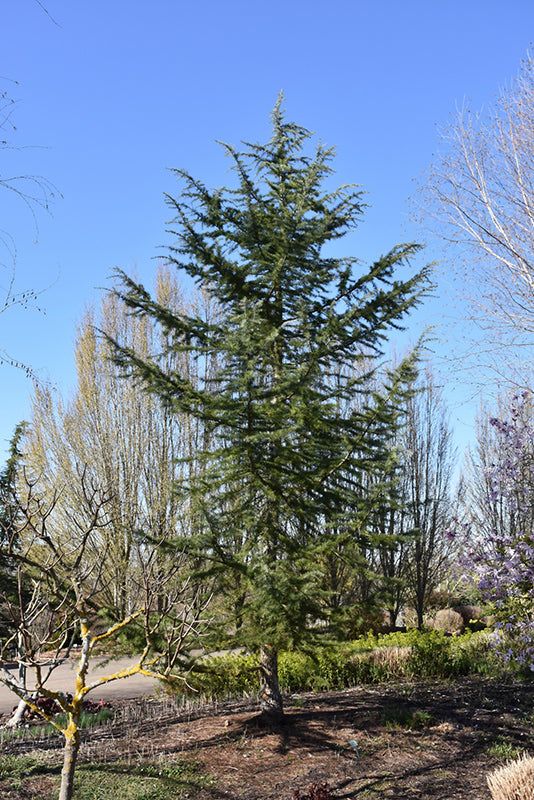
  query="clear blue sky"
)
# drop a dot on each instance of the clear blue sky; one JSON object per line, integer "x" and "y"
{"x": 111, "y": 94}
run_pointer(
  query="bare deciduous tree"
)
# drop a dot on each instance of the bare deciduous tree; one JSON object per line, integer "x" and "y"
{"x": 65, "y": 608}
{"x": 428, "y": 466}
{"x": 131, "y": 444}
{"x": 480, "y": 197}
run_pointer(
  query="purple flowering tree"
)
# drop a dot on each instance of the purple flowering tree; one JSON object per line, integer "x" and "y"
{"x": 499, "y": 545}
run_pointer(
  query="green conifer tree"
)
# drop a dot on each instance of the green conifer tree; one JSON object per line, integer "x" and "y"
{"x": 282, "y": 478}
{"x": 9, "y": 587}
{"x": 8, "y": 481}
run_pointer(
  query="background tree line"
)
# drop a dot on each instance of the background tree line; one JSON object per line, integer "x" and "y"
{"x": 137, "y": 447}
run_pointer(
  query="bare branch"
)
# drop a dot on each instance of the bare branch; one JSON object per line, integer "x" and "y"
{"x": 61, "y": 578}
{"x": 479, "y": 198}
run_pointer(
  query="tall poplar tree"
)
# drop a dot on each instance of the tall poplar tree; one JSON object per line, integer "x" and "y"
{"x": 121, "y": 437}
{"x": 284, "y": 468}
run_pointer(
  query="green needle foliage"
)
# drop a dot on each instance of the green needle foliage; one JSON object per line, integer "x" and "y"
{"x": 9, "y": 514}
{"x": 292, "y": 423}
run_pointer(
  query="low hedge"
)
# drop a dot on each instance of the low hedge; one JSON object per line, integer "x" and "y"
{"x": 367, "y": 660}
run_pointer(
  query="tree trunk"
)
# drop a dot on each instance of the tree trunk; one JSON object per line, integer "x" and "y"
{"x": 270, "y": 698}
{"x": 70, "y": 754}
{"x": 420, "y": 605}
{"x": 420, "y": 617}
{"x": 18, "y": 715}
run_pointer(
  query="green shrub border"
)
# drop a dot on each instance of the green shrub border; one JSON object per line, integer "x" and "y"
{"x": 368, "y": 660}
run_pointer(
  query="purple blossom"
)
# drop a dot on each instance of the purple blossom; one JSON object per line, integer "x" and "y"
{"x": 502, "y": 562}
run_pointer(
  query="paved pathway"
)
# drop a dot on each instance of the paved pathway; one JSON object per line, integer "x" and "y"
{"x": 64, "y": 678}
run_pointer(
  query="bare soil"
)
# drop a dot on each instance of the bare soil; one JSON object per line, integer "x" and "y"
{"x": 423, "y": 740}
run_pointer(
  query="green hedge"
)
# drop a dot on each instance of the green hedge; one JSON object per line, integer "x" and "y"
{"x": 367, "y": 660}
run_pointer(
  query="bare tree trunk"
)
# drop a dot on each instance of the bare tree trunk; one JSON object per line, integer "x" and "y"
{"x": 70, "y": 755}
{"x": 18, "y": 716}
{"x": 270, "y": 698}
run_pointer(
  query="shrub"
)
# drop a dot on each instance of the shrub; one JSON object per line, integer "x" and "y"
{"x": 335, "y": 669}
{"x": 368, "y": 660}
{"x": 296, "y": 672}
{"x": 514, "y": 781}
{"x": 471, "y": 615}
{"x": 230, "y": 675}
{"x": 474, "y": 653}
{"x": 432, "y": 656}
{"x": 398, "y": 638}
{"x": 380, "y": 665}
{"x": 449, "y": 621}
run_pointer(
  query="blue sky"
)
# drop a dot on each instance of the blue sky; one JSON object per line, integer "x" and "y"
{"x": 112, "y": 94}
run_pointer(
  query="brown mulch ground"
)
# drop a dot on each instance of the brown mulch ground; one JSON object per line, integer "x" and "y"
{"x": 421, "y": 740}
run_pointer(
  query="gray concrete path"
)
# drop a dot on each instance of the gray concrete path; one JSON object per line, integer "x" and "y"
{"x": 63, "y": 678}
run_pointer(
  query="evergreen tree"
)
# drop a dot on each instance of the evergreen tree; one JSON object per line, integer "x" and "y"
{"x": 282, "y": 479}
{"x": 9, "y": 521}
{"x": 8, "y": 479}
